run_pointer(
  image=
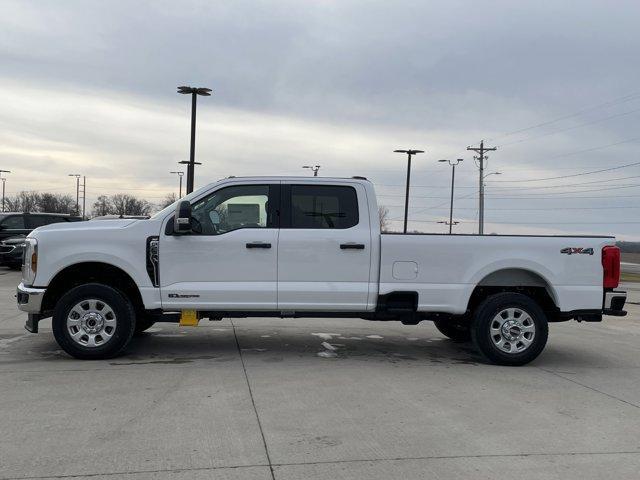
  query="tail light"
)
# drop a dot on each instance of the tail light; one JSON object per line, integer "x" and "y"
{"x": 611, "y": 266}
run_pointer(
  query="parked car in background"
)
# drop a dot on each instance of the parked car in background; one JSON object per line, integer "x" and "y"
{"x": 14, "y": 227}
{"x": 14, "y": 224}
{"x": 11, "y": 250}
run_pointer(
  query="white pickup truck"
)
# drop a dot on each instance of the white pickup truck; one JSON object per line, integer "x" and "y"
{"x": 308, "y": 247}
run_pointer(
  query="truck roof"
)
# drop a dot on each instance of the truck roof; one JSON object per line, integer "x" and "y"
{"x": 298, "y": 177}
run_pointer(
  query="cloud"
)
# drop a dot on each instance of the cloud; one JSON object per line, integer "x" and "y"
{"x": 90, "y": 87}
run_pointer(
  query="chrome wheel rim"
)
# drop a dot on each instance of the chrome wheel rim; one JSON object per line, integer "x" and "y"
{"x": 91, "y": 323}
{"x": 512, "y": 330}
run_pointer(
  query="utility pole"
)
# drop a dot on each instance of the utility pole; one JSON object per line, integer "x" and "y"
{"x": 77, "y": 175}
{"x": 314, "y": 169}
{"x": 194, "y": 92}
{"x": 481, "y": 158}
{"x": 3, "y": 182}
{"x": 453, "y": 180}
{"x": 409, "y": 153}
{"x": 180, "y": 174}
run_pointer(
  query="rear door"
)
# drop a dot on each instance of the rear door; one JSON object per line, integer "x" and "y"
{"x": 324, "y": 248}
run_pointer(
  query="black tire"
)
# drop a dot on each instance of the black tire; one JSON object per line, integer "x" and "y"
{"x": 120, "y": 335}
{"x": 486, "y": 336}
{"x": 144, "y": 321}
{"x": 458, "y": 332}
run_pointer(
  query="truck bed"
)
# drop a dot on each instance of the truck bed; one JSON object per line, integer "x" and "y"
{"x": 444, "y": 269}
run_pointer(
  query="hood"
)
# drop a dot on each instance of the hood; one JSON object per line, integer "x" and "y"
{"x": 82, "y": 226}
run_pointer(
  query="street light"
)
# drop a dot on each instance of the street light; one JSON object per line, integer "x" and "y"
{"x": 77, "y": 175}
{"x": 453, "y": 179}
{"x": 180, "y": 174}
{"x": 3, "y": 182}
{"x": 314, "y": 169}
{"x": 194, "y": 92}
{"x": 409, "y": 153}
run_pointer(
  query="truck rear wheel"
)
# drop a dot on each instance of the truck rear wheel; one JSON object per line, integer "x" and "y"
{"x": 457, "y": 332}
{"x": 93, "y": 321}
{"x": 509, "y": 329}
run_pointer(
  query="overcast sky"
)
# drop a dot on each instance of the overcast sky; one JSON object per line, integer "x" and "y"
{"x": 89, "y": 87}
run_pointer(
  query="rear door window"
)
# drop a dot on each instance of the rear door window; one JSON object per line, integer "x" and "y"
{"x": 13, "y": 222}
{"x": 323, "y": 207}
{"x": 35, "y": 221}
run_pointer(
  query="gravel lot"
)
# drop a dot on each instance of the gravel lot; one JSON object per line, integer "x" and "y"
{"x": 264, "y": 398}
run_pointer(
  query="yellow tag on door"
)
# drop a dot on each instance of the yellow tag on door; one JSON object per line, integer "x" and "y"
{"x": 189, "y": 318}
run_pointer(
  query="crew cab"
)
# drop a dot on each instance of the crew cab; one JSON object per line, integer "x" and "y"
{"x": 308, "y": 247}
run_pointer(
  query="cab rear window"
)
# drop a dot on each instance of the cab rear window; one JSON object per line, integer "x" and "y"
{"x": 323, "y": 207}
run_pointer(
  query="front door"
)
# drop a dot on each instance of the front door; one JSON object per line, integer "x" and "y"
{"x": 324, "y": 250}
{"x": 229, "y": 262}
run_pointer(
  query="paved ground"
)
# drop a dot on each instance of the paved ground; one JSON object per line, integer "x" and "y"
{"x": 264, "y": 399}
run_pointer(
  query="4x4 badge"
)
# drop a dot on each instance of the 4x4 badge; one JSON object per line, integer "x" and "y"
{"x": 577, "y": 251}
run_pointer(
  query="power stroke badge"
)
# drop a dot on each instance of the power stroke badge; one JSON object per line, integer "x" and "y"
{"x": 577, "y": 251}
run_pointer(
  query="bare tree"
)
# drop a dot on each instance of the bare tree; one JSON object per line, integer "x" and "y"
{"x": 56, "y": 203}
{"x": 383, "y": 216}
{"x": 121, "y": 204}
{"x": 125, "y": 204}
{"x": 102, "y": 206}
{"x": 168, "y": 200}
{"x": 23, "y": 202}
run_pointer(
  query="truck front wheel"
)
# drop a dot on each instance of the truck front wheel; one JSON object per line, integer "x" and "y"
{"x": 93, "y": 321}
{"x": 509, "y": 329}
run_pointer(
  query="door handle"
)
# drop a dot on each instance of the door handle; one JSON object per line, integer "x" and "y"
{"x": 352, "y": 246}
{"x": 258, "y": 245}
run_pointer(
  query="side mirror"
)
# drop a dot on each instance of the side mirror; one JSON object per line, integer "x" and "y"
{"x": 182, "y": 218}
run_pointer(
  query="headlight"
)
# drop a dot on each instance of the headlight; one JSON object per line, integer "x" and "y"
{"x": 30, "y": 261}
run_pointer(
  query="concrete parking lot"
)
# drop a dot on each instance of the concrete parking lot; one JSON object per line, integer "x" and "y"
{"x": 318, "y": 399}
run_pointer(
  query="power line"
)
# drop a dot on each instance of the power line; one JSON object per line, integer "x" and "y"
{"x": 535, "y": 223}
{"x": 548, "y": 209}
{"x": 502, "y": 189}
{"x": 533, "y": 137}
{"x": 623, "y": 99}
{"x": 572, "y": 175}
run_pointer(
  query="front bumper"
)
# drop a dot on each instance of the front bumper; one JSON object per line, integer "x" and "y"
{"x": 30, "y": 298}
{"x": 613, "y": 303}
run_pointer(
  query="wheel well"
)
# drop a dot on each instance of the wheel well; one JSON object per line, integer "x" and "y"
{"x": 517, "y": 281}
{"x": 91, "y": 272}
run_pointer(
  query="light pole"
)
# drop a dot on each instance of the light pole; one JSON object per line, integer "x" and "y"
{"x": 77, "y": 175}
{"x": 409, "y": 153}
{"x": 453, "y": 179}
{"x": 180, "y": 174}
{"x": 314, "y": 169}
{"x": 3, "y": 182}
{"x": 205, "y": 92}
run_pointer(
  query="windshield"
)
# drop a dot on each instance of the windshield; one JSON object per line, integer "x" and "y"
{"x": 166, "y": 210}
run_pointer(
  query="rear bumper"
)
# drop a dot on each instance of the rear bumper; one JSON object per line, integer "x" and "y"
{"x": 613, "y": 303}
